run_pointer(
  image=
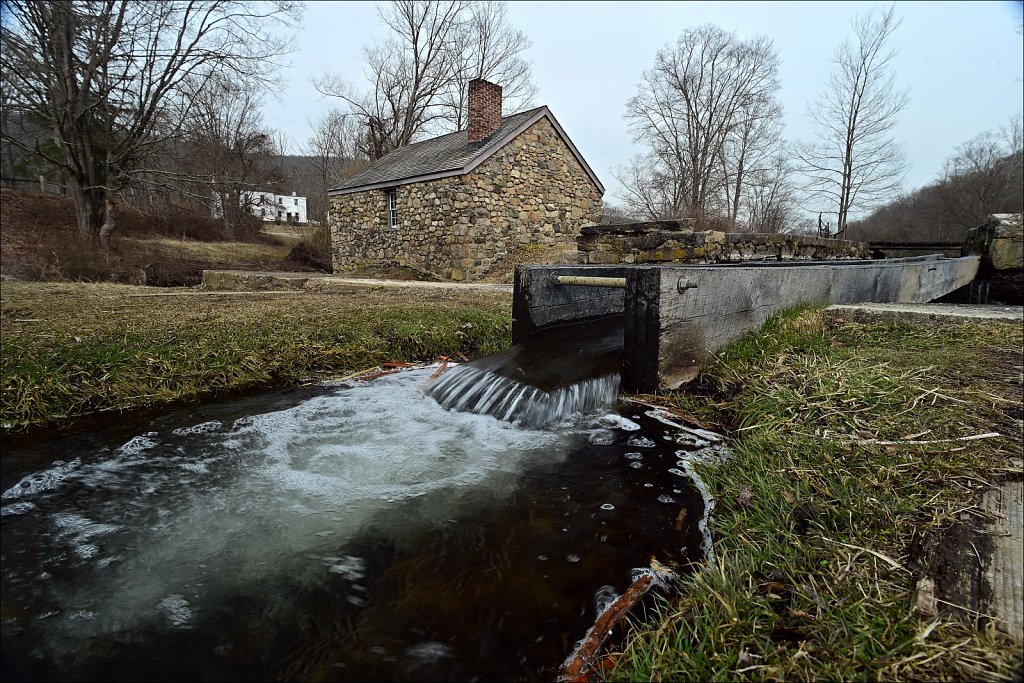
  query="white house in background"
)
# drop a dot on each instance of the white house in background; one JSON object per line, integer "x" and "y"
{"x": 278, "y": 207}
{"x": 270, "y": 207}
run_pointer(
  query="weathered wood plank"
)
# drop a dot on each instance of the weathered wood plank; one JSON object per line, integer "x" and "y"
{"x": 724, "y": 303}
{"x": 642, "y": 326}
{"x": 538, "y": 302}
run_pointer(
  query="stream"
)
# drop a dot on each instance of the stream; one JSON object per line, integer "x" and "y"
{"x": 354, "y": 531}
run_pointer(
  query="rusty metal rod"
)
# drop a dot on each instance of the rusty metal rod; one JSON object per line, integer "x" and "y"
{"x": 589, "y": 281}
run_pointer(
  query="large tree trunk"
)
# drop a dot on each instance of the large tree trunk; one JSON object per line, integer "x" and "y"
{"x": 109, "y": 219}
{"x": 90, "y": 209}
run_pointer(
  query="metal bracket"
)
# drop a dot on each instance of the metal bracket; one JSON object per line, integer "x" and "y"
{"x": 684, "y": 284}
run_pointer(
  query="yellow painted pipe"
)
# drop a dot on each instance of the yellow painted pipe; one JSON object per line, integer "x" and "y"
{"x": 590, "y": 281}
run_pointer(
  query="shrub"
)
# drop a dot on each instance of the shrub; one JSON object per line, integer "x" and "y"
{"x": 313, "y": 252}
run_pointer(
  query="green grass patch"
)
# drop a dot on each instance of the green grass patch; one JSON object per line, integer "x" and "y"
{"x": 73, "y": 349}
{"x": 815, "y": 520}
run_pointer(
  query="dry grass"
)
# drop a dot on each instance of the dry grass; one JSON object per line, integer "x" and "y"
{"x": 39, "y": 241}
{"x": 249, "y": 252}
{"x": 843, "y": 457}
{"x": 71, "y": 349}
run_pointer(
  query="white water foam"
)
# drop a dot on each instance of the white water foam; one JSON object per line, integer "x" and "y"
{"x": 279, "y": 492}
{"x": 47, "y": 480}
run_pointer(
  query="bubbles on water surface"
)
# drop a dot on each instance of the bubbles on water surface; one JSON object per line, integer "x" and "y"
{"x": 607, "y": 506}
{"x": 138, "y": 444}
{"x": 78, "y": 532}
{"x": 50, "y": 479}
{"x": 17, "y": 509}
{"x": 616, "y": 421}
{"x": 349, "y": 567}
{"x": 176, "y": 608}
{"x": 640, "y": 442}
{"x": 201, "y": 428}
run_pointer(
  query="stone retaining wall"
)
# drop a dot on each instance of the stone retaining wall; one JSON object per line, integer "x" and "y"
{"x": 1000, "y": 242}
{"x": 531, "y": 191}
{"x": 678, "y": 242}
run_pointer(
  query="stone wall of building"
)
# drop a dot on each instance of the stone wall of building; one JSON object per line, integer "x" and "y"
{"x": 532, "y": 190}
{"x": 680, "y": 242}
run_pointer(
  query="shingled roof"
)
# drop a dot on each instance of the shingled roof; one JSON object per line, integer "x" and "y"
{"x": 449, "y": 155}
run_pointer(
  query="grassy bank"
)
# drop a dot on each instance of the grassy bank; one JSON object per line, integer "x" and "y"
{"x": 71, "y": 349}
{"x": 820, "y": 513}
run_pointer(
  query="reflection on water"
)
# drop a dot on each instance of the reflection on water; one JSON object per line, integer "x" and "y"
{"x": 350, "y": 533}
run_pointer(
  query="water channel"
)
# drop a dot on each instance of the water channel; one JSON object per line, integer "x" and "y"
{"x": 342, "y": 532}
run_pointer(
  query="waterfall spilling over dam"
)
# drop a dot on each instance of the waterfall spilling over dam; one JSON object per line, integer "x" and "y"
{"x": 551, "y": 375}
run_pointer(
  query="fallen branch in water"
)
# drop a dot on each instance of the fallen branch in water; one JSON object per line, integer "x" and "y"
{"x": 646, "y": 400}
{"x": 440, "y": 369}
{"x": 386, "y": 368}
{"x": 576, "y": 668}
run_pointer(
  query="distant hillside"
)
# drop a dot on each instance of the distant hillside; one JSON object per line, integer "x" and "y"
{"x": 304, "y": 175}
{"x": 944, "y": 210}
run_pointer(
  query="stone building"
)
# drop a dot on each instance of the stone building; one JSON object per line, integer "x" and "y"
{"x": 452, "y": 206}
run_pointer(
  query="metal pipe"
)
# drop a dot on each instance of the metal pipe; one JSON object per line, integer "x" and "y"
{"x": 589, "y": 281}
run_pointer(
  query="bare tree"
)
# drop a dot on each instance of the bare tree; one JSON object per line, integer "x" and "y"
{"x": 408, "y": 73}
{"x": 334, "y": 153}
{"x": 229, "y": 154}
{"x": 770, "y": 201}
{"x": 983, "y": 177}
{"x": 855, "y": 164}
{"x": 418, "y": 77}
{"x": 613, "y": 214}
{"x": 748, "y": 156}
{"x": 107, "y": 78}
{"x": 654, "y": 189}
{"x": 491, "y": 49}
{"x": 692, "y": 105}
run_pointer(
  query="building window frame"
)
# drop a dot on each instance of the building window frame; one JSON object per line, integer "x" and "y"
{"x": 391, "y": 197}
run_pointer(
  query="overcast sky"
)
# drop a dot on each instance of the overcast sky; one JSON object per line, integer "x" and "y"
{"x": 962, "y": 61}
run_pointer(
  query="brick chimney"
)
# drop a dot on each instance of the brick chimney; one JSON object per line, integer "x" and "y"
{"x": 484, "y": 109}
